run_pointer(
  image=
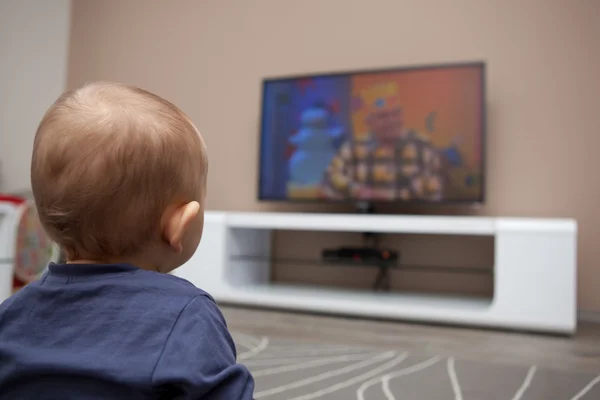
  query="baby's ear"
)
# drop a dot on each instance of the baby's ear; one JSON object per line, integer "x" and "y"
{"x": 178, "y": 222}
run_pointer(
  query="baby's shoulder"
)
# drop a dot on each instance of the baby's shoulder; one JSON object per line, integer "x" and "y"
{"x": 172, "y": 285}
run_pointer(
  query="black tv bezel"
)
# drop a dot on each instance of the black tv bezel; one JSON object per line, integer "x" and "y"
{"x": 480, "y": 201}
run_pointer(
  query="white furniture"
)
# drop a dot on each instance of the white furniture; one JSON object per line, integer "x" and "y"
{"x": 10, "y": 218}
{"x": 534, "y": 269}
{"x": 8, "y": 223}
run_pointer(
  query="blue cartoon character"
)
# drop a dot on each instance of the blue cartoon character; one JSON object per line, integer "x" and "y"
{"x": 315, "y": 144}
{"x": 453, "y": 154}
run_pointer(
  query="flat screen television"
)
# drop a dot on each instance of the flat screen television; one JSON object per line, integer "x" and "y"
{"x": 397, "y": 135}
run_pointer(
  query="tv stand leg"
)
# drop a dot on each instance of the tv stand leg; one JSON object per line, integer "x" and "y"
{"x": 382, "y": 281}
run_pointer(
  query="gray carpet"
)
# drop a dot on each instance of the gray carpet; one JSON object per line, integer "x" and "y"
{"x": 285, "y": 370}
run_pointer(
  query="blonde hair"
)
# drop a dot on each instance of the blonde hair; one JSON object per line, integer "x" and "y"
{"x": 108, "y": 159}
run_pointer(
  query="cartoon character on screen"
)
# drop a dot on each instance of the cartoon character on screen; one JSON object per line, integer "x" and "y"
{"x": 315, "y": 146}
{"x": 451, "y": 154}
{"x": 389, "y": 161}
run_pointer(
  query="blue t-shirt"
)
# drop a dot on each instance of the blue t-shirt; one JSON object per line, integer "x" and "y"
{"x": 116, "y": 332}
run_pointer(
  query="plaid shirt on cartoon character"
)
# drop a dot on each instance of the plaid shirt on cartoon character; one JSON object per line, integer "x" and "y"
{"x": 365, "y": 170}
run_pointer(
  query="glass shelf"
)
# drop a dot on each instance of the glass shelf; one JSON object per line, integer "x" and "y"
{"x": 481, "y": 270}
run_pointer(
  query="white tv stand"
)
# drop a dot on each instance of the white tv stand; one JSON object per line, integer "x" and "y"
{"x": 535, "y": 269}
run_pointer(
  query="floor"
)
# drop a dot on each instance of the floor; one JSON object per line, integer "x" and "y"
{"x": 580, "y": 352}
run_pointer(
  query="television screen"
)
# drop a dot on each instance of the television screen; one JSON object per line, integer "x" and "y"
{"x": 411, "y": 135}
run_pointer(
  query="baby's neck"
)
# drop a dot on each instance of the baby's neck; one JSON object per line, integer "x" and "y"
{"x": 130, "y": 261}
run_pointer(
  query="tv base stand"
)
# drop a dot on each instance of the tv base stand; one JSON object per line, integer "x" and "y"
{"x": 535, "y": 269}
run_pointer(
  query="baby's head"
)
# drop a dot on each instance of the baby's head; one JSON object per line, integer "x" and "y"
{"x": 119, "y": 175}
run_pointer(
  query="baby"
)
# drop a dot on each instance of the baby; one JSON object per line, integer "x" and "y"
{"x": 119, "y": 179}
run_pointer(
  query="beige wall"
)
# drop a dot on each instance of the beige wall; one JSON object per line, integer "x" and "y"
{"x": 209, "y": 56}
{"x": 34, "y": 35}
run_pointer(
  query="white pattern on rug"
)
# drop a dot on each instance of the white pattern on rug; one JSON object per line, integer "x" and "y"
{"x": 287, "y": 370}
